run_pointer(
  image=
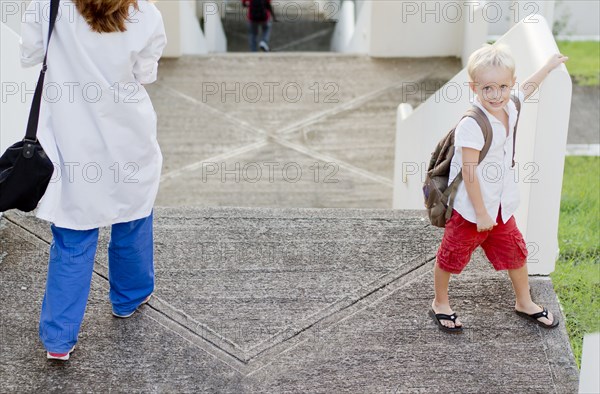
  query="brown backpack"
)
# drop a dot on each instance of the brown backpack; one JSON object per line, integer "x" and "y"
{"x": 439, "y": 196}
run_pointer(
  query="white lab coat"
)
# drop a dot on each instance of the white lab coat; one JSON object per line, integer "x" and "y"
{"x": 97, "y": 123}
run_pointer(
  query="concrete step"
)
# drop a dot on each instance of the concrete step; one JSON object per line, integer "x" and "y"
{"x": 283, "y": 300}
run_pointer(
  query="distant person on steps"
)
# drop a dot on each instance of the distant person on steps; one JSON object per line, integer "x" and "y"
{"x": 260, "y": 16}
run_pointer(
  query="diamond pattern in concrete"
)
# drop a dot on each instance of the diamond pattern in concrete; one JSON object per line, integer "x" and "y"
{"x": 350, "y": 122}
{"x": 360, "y": 324}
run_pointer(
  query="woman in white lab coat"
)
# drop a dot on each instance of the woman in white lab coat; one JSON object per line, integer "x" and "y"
{"x": 98, "y": 126}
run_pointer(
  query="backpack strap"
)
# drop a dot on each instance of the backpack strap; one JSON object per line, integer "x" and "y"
{"x": 515, "y": 100}
{"x": 486, "y": 128}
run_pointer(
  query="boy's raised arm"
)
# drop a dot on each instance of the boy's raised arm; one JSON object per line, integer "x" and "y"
{"x": 534, "y": 81}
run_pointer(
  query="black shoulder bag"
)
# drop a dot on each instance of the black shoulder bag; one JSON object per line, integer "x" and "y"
{"x": 25, "y": 169}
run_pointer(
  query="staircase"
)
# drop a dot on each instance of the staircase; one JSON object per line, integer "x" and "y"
{"x": 300, "y": 27}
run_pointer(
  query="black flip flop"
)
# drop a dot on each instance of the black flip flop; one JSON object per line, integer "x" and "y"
{"x": 536, "y": 316}
{"x": 440, "y": 316}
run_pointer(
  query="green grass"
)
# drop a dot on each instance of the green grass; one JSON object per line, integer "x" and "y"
{"x": 577, "y": 275}
{"x": 584, "y": 61}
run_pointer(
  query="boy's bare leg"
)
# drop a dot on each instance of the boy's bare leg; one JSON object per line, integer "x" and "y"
{"x": 524, "y": 303}
{"x": 441, "y": 303}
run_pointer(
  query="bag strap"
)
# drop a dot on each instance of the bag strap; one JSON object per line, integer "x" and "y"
{"x": 34, "y": 113}
{"x": 515, "y": 100}
{"x": 486, "y": 128}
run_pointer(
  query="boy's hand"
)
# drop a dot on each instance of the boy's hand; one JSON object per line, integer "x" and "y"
{"x": 555, "y": 61}
{"x": 485, "y": 223}
{"x": 534, "y": 81}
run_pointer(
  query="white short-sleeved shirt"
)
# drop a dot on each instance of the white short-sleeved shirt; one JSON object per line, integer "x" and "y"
{"x": 97, "y": 123}
{"x": 497, "y": 179}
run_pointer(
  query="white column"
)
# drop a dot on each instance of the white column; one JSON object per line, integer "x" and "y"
{"x": 171, "y": 13}
{"x": 589, "y": 381}
{"x": 215, "y": 35}
{"x": 184, "y": 35}
{"x": 193, "y": 41}
{"x": 344, "y": 28}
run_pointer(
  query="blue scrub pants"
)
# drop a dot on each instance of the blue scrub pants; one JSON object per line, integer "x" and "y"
{"x": 72, "y": 252}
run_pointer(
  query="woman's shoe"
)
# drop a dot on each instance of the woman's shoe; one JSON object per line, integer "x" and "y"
{"x": 59, "y": 356}
{"x": 132, "y": 312}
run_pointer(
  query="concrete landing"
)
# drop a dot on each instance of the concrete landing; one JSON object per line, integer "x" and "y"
{"x": 282, "y": 300}
{"x": 285, "y": 130}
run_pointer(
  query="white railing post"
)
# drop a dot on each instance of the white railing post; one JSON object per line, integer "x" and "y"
{"x": 352, "y": 33}
{"x": 184, "y": 35}
{"x": 192, "y": 37}
{"x": 541, "y": 178}
{"x": 589, "y": 382}
{"x": 213, "y": 28}
{"x": 171, "y": 14}
{"x": 344, "y": 29}
{"x": 541, "y": 142}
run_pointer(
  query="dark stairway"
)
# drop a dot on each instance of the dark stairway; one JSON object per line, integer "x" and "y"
{"x": 300, "y": 27}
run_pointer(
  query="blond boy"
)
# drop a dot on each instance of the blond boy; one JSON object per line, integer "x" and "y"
{"x": 488, "y": 196}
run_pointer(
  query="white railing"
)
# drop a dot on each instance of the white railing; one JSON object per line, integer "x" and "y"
{"x": 184, "y": 35}
{"x": 388, "y": 28}
{"x": 213, "y": 28}
{"x": 541, "y": 141}
{"x": 17, "y": 87}
{"x": 352, "y": 31}
{"x": 193, "y": 41}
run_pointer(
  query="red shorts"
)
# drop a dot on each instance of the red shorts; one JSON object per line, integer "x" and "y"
{"x": 504, "y": 245}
